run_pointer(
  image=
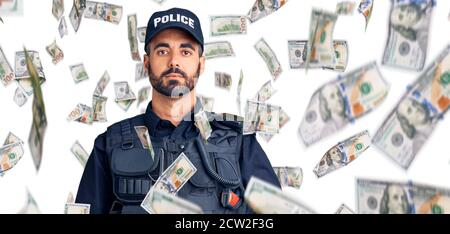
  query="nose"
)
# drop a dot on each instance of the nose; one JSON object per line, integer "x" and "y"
{"x": 174, "y": 61}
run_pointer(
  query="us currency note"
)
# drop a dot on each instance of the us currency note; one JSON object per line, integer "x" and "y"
{"x": 101, "y": 84}
{"x": 343, "y": 209}
{"x": 431, "y": 200}
{"x": 283, "y": 119}
{"x": 77, "y": 208}
{"x": 264, "y": 198}
{"x": 20, "y": 97}
{"x": 21, "y": 72}
{"x": 239, "y": 89}
{"x": 143, "y": 94}
{"x": 345, "y": 8}
{"x": 320, "y": 48}
{"x": 261, "y": 9}
{"x": 78, "y": 73}
{"x": 75, "y": 17}
{"x": 80, "y": 153}
{"x": 11, "y": 8}
{"x": 82, "y": 114}
{"x": 228, "y": 24}
{"x": 62, "y": 28}
{"x": 261, "y": 117}
{"x": 202, "y": 123}
{"x": 58, "y": 9}
{"x": 103, "y": 11}
{"x": 141, "y": 32}
{"x": 39, "y": 125}
{"x": 125, "y": 105}
{"x": 11, "y": 152}
{"x": 160, "y": 202}
{"x": 132, "y": 37}
{"x": 269, "y": 58}
{"x": 144, "y": 137}
{"x": 343, "y": 153}
{"x": 409, "y": 24}
{"x": 342, "y": 101}
{"x": 265, "y": 92}
{"x": 55, "y": 52}
{"x": 176, "y": 175}
{"x": 410, "y": 124}
{"x": 207, "y": 103}
{"x": 141, "y": 73}
{"x": 30, "y": 206}
{"x": 218, "y": 49}
{"x": 223, "y": 80}
{"x": 99, "y": 108}
{"x": 365, "y": 8}
{"x": 6, "y": 72}
{"x": 289, "y": 176}
{"x": 123, "y": 91}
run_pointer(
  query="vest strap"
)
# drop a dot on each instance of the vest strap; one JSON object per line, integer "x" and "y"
{"x": 127, "y": 136}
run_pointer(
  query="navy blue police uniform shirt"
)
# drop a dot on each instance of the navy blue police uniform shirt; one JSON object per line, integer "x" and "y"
{"x": 96, "y": 183}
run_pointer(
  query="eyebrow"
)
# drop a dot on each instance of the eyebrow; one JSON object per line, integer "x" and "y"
{"x": 187, "y": 45}
{"x": 161, "y": 45}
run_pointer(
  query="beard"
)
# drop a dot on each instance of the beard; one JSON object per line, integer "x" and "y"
{"x": 173, "y": 88}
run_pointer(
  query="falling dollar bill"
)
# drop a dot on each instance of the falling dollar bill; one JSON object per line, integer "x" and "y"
{"x": 207, "y": 103}
{"x": 6, "y": 72}
{"x": 223, "y": 80}
{"x": 343, "y": 153}
{"x": 202, "y": 123}
{"x": 101, "y": 84}
{"x": 75, "y": 17}
{"x": 320, "y": 48}
{"x": 99, "y": 109}
{"x": 30, "y": 206}
{"x": 297, "y": 55}
{"x": 22, "y": 75}
{"x": 160, "y": 202}
{"x": 345, "y": 8}
{"x": 339, "y": 102}
{"x": 228, "y": 24}
{"x": 283, "y": 120}
{"x": 261, "y": 9}
{"x": 365, "y": 8}
{"x": 264, "y": 198}
{"x": 410, "y": 124}
{"x": 409, "y": 25}
{"x": 77, "y": 208}
{"x": 103, "y": 11}
{"x": 176, "y": 175}
{"x": 143, "y": 94}
{"x": 289, "y": 176}
{"x": 141, "y": 72}
{"x": 132, "y": 37}
{"x": 55, "y": 52}
{"x": 144, "y": 137}
{"x": 261, "y": 117}
{"x": 39, "y": 124}
{"x": 141, "y": 32}
{"x": 343, "y": 209}
{"x": 62, "y": 28}
{"x": 265, "y": 92}
{"x": 78, "y": 73}
{"x": 20, "y": 97}
{"x": 10, "y": 153}
{"x": 80, "y": 153}
{"x": 269, "y": 57}
{"x": 239, "y": 89}
{"x": 123, "y": 91}
{"x": 58, "y": 9}
{"x": 387, "y": 197}
{"x": 82, "y": 114}
{"x": 11, "y": 7}
{"x": 218, "y": 49}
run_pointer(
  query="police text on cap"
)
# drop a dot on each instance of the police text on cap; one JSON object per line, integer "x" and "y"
{"x": 170, "y": 18}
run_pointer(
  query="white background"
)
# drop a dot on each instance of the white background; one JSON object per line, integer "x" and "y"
{"x": 104, "y": 46}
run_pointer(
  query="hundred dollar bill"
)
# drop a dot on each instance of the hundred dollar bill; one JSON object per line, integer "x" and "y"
{"x": 261, "y": 117}
{"x": 80, "y": 153}
{"x": 343, "y": 153}
{"x": 269, "y": 57}
{"x": 202, "y": 123}
{"x": 223, "y": 80}
{"x": 125, "y": 105}
{"x": 412, "y": 121}
{"x": 30, "y": 206}
{"x": 77, "y": 208}
{"x": 320, "y": 48}
{"x": 141, "y": 72}
{"x": 99, "y": 108}
{"x": 20, "y": 97}
{"x": 262, "y": 8}
{"x": 82, "y": 114}
{"x": 365, "y": 8}
{"x": 289, "y": 176}
{"x": 160, "y": 202}
{"x": 341, "y": 56}
{"x": 55, "y": 52}
{"x": 39, "y": 123}
{"x": 132, "y": 37}
{"x": 58, "y": 9}
{"x": 6, "y": 72}
{"x": 21, "y": 72}
{"x": 62, "y": 28}
{"x": 101, "y": 84}
{"x": 207, "y": 103}
{"x": 343, "y": 209}
{"x": 265, "y": 92}
{"x": 143, "y": 94}
{"x": 10, "y": 153}
{"x": 228, "y": 24}
{"x": 78, "y": 73}
{"x": 123, "y": 91}
{"x": 239, "y": 89}
{"x": 103, "y": 11}
{"x": 409, "y": 24}
{"x": 431, "y": 200}
{"x": 11, "y": 7}
{"x": 345, "y": 8}
{"x": 284, "y": 118}
{"x": 144, "y": 137}
{"x": 141, "y": 32}
{"x": 339, "y": 102}
{"x": 176, "y": 175}
{"x": 264, "y": 198}
{"x": 75, "y": 17}
{"x": 218, "y": 49}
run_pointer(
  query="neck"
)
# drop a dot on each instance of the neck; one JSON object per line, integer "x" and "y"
{"x": 172, "y": 109}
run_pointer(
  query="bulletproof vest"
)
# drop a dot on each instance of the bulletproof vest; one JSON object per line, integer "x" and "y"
{"x": 217, "y": 161}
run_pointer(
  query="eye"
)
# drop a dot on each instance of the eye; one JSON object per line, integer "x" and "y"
{"x": 162, "y": 52}
{"x": 186, "y": 53}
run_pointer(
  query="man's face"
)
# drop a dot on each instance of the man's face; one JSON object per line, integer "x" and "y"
{"x": 413, "y": 111}
{"x": 335, "y": 155}
{"x": 405, "y": 15}
{"x": 397, "y": 200}
{"x": 334, "y": 99}
{"x": 174, "y": 63}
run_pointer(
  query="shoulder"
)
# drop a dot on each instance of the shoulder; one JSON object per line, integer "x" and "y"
{"x": 225, "y": 121}
{"x": 133, "y": 121}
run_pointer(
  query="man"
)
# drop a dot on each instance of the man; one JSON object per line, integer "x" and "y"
{"x": 394, "y": 201}
{"x": 120, "y": 172}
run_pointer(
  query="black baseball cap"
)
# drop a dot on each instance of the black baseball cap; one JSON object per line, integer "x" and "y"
{"x": 174, "y": 18}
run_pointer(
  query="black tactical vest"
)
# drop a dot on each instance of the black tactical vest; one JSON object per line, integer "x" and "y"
{"x": 217, "y": 161}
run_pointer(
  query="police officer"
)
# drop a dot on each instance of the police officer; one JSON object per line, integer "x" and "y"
{"x": 120, "y": 172}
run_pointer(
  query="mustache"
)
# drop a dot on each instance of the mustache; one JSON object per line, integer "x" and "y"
{"x": 174, "y": 70}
